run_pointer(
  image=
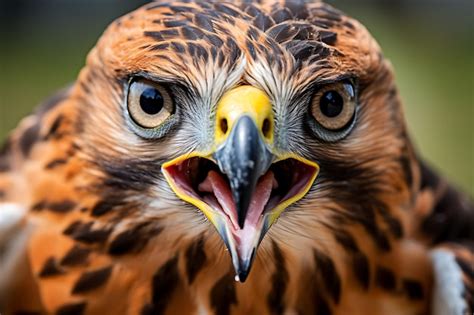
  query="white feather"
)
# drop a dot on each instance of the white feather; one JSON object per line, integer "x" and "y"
{"x": 448, "y": 285}
{"x": 13, "y": 236}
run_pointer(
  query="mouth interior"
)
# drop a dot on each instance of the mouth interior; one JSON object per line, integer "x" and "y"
{"x": 201, "y": 179}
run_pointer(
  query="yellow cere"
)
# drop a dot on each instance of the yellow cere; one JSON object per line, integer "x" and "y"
{"x": 240, "y": 101}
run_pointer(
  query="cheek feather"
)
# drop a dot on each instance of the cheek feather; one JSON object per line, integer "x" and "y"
{"x": 82, "y": 180}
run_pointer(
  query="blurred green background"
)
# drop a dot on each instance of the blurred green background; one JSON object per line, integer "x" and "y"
{"x": 43, "y": 44}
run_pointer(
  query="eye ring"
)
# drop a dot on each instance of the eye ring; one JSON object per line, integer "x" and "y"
{"x": 149, "y": 104}
{"x": 333, "y": 106}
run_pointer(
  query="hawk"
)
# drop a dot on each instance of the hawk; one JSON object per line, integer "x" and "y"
{"x": 229, "y": 158}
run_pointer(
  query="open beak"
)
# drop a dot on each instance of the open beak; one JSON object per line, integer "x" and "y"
{"x": 242, "y": 186}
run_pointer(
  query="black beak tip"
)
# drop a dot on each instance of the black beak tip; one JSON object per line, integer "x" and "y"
{"x": 243, "y": 275}
{"x": 243, "y": 269}
{"x": 242, "y": 209}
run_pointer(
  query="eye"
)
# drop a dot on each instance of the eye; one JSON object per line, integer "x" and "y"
{"x": 149, "y": 104}
{"x": 333, "y": 106}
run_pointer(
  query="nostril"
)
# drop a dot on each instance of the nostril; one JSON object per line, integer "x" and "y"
{"x": 224, "y": 126}
{"x": 266, "y": 127}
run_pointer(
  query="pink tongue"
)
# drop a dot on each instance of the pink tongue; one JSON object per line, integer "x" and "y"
{"x": 214, "y": 183}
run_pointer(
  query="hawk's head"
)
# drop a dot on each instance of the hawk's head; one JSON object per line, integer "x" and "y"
{"x": 251, "y": 113}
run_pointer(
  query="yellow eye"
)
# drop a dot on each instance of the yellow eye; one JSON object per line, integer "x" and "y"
{"x": 333, "y": 106}
{"x": 149, "y": 104}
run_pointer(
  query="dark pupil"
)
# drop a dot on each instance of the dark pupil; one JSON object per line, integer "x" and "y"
{"x": 151, "y": 101}
{"x": 331, "y": 104}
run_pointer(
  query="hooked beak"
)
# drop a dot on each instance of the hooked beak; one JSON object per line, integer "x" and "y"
{"x": 244, "y": 158}
{"x": 241, "y": 186}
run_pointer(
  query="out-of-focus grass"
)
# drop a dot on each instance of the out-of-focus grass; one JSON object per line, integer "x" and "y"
{"x": 434, "y": 73}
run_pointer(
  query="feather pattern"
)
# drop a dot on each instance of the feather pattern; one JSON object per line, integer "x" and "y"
{"x": 103, "y": 232}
